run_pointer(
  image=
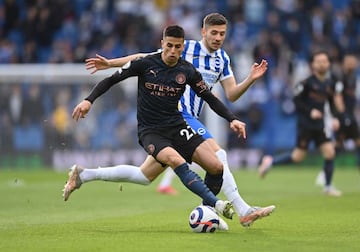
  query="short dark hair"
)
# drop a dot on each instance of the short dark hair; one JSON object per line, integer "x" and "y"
{"x": 318, "y": 52}
{"x": 174, "y": 31}
{"x": 214, "y": 19}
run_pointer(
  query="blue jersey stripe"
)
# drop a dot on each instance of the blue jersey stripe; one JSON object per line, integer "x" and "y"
{"x": 192, "y": 99}
{"x": 186, "y": 48}
{"x": 217, "y": 68}
{"x": 207, "y": 62}
{"x": 226, "y": 63}
{"x": 196, "y": 55}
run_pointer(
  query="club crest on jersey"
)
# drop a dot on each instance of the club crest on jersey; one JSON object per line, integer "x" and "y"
{"x": 180, "y": 78}
{"x": 217, "y": 61}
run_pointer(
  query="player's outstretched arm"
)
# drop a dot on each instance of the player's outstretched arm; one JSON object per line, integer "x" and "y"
{"x": 234, "y": 91}
{"x": 102, "y": 63}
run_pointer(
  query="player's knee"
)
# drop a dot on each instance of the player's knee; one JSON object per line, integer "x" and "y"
{"x": 217, "y": 168}
{"x": 298, "y": 156}
{"x": 329, "y": 154}
{"x": 174, "y": 161}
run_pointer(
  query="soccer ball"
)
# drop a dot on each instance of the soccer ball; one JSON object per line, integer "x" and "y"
{"x": 203, "y": 219}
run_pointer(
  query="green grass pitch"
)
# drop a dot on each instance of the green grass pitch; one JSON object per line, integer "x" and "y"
{"x": 104, "y": 216}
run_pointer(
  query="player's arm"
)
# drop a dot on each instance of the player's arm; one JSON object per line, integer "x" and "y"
{"x": 217, "y": 106}
{"x": 131, "y": 69}
{"x": 337, "y": 105}
{"x": 234, "y": 91}
{"x": 102, "y": 63}
{"x": 338, "y": 97}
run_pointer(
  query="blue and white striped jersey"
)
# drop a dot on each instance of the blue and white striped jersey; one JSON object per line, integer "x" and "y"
{"x": 214, "y": 67}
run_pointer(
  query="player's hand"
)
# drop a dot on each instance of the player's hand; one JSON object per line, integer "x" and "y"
{"x": 238, "y": 127}
{"x": 81, "y": 110}
{"x": 335, "y": 124}
{"x": 316, "y": 114}
{"x": 97, "y": 63}
{"x": 258, "y": 70}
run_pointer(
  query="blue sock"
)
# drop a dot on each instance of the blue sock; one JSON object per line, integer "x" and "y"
{"x": 282, "y": 159}
{"x": 195, "y": 184}
{"x": 328, "y": 170}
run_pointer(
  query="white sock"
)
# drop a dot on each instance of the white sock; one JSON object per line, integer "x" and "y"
{"x": 120, "y": 173}
{"x": 167, "y": 178}
{"x": 229, "y": 186}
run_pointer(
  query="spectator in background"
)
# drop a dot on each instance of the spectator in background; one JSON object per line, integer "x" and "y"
{"x": 11, "y": 16}
{"x": 61, "y": 120}
{"x": 15, "y": 104}
{"x": 32, "y": 112}
{"x": 6, "y": 124}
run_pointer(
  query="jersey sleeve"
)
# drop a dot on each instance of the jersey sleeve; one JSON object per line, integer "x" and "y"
{"x": 132, "y": 68}
{"x": 300, "y": 92}
{"x": 202, "y": 90}
{"x": 227, "y": 70}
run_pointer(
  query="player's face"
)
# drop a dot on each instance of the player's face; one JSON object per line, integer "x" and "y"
{"x": 350, "y": 63}
{"x": 320, "y": 64}
{"x": 172, "y": 48}
{"x": 213, "y": 36}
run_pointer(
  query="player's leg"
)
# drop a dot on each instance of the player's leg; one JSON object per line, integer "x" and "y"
{"x": 295, "y": 156}
{"x": 170, "y": 147}
{"x": 353, "y": 133}
{"x": 247, "y": 214}
{"x": 192, "y": 180}
{"x": 357, "y": 151}
{"x": 165, "y": 185}
{"x": 328, "y": 152}
{"x": 142, "y": 175}
{"x": 267, "y": 162}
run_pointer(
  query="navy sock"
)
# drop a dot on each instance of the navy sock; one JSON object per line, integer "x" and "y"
{"x": 214, "y": 182}
{"x": 195, "y": 184}
{"x": 282, "y": 159}
{"x": 328, "y": 170}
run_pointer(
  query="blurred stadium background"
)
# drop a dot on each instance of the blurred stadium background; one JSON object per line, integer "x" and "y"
{"x": 43, "y": 45}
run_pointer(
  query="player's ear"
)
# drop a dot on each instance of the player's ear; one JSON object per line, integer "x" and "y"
{"x": 203, "y": 32}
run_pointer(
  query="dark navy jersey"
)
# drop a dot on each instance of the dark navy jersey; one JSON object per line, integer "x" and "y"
{"x": 159, "y": 90}
{"x": 313, "y": 93}
{"x": 349, "y": 92}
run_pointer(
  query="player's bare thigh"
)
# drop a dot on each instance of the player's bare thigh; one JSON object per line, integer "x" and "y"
{"x": 213, "y": 144}
{"x": 327, "y": 150}
{"x": 171, "y": 157}
{"x": 151, "y": 168}
{"x": 205, "y": 156}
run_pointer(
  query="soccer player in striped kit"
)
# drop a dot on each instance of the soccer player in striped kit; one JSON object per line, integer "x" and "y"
{"x": 214, "y": 64}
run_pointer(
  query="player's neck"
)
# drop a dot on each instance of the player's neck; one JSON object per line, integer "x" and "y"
{"x": 207, "y": 46}
{"x": 320, "y": 77}
{"x": 167, "y": 62}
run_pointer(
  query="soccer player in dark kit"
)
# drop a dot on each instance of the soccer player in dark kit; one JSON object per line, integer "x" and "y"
{"x": 311, "y": 98}
{"x": 348, "y": 125}
{"x": 346, "y": 104}
{"x": 162, "y": 131}
{"x": 214, "y": 64}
